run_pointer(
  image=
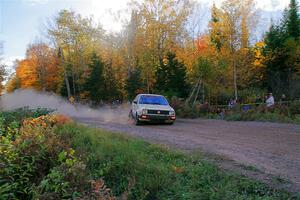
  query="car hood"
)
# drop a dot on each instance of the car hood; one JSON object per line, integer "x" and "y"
{"x": 156, "y": 107}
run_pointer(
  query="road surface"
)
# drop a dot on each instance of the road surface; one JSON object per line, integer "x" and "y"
{"x": 269, "y": 147}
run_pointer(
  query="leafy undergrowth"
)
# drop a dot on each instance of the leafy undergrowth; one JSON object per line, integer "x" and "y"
{"x": 279, "y": 113}
{"x": 36, "y": 163}
{"x": 50, "y": 157}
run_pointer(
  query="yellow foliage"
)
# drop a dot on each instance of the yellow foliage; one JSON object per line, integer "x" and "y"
{"x": 45, "y": 121}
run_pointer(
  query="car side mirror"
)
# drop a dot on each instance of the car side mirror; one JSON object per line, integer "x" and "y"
{"x": 134, "y": 102}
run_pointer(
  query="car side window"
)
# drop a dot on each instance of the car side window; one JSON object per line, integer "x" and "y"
{"x": 136, "y": 99}
{"x": 139, "y": 100}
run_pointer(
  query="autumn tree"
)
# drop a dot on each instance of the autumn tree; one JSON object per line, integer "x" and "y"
{"x": 12, "y": 84}
{"x": 76, "y": 38}
{"x": 38, "y": 70}
{"x": 232, "y": 23}
{"x": 45, "y": 64}
{"x": 158, "y": 27}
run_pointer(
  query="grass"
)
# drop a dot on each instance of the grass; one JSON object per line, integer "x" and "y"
{"x": 145, "y": 171}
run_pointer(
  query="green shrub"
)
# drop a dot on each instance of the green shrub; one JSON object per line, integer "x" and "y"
{"x": 295, "y": 108}
{"x": 37, "y": 164}
{"x": 10, "y": 121}
{"x": 28, "y": 159}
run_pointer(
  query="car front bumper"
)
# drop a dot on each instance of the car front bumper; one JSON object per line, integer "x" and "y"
{"x": 158, "y": 118}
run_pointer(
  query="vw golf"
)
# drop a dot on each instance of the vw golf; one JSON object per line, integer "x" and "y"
{"x": 152, "y": 108}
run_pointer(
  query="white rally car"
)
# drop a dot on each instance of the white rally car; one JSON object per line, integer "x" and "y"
{"x": 152, "y": 108}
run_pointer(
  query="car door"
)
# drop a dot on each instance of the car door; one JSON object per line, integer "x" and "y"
{"x": 134, "y": 105}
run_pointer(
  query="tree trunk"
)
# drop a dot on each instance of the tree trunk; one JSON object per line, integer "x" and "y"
{"x": 73, "y": 83}
{"x": 192, "y": 93}
{"x": 197, "y": 93}
{"x": 67, "y": 83}
{"x": 234, "y": 78}
{"x": 203, "y": 92}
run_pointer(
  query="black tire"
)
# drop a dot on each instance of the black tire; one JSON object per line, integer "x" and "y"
{"x": 136, "y": 120}
{"x": 130, "y": 114}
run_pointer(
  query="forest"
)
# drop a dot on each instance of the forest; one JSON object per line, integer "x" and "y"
{"x": 161, "y": 49}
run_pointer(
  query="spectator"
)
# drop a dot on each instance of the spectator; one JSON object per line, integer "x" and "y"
{"x": 270, "y": 100}
{"x": 283, "y": 99}
{"x": 258, "y": 100}
{"x": 231, "y": 103}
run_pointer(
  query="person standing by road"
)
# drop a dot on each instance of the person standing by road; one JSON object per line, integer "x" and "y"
{"x": 270, "y": 100}
{"x": 258, "y": 100}
{"x": 283, "y": 99}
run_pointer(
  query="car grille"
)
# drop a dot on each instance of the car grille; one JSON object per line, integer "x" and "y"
{"x": 158, "y": 112}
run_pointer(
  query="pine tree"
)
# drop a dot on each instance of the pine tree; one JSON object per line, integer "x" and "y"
{"x": 214, "y": 28}
{"x": 134, "y": 83}
{"x": 94, "y": 84}
{"x": 280, "y": 47}
{"x": 293, "y": 25}
{"x": 171, "y": 76}
{"x": 111, "y": 86}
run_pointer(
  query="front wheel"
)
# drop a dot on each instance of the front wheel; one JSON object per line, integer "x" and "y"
{"x": 130, "y": 114}
{"x": 136, "y": 120}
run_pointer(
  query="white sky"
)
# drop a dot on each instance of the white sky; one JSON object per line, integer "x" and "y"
{"x": 101, "y": 9}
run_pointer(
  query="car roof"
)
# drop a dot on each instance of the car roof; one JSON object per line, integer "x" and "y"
{"x": 151, "y": 95}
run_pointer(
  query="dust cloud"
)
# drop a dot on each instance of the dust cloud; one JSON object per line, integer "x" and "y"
{"x": 34, "y": 99}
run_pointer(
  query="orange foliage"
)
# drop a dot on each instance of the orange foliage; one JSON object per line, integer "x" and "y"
{"x": 46, "y": 121}
{"x": 202, "y": 43}
{"x": 26, "y": 73}
{"x": 39, "y": 70}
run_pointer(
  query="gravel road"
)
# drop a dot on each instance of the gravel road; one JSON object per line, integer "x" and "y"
{"x": 269, "y": 147}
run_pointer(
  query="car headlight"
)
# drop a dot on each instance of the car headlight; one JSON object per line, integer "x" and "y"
{"x": 172, "y": 113}
{"x": 144, "y": 111}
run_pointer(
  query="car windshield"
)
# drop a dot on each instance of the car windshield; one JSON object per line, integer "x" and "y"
{"x": 156, "y": 100}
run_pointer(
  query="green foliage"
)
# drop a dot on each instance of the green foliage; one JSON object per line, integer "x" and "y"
{"x": 35, "y": 162}
{"x": 28, "y": 159}
{"x": 171, "y": 76}
{"x": 134, "y": 83}
{"x": 280, "y": 113}
{"x": 146, "y": 171}
{"x": 292, "y": 21}
{"x": 94, "y": 84}
{"x": 67, "y": 180}
{"x": 111, "y": 87}
{"x": 10, "y": 121}
{"x": 282, "y": 42}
